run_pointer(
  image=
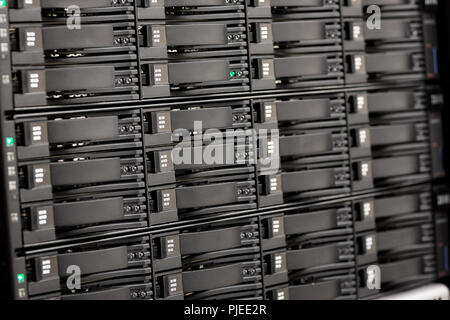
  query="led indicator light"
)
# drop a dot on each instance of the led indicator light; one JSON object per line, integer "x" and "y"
{"x": 2, "y": 3}
{"x": 9, "y": 140}
{"x": 232, "y": 73}
{"x": 20, "y": 277}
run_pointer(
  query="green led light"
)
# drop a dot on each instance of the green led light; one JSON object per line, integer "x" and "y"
{"x": 20, "y": 277}
{"x": 232, "y": 73}
{"x": 2, "y": 3}
{"x": 9, "y": 141}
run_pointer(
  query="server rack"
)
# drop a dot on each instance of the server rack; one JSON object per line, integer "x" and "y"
{"x": 100, "y": 101}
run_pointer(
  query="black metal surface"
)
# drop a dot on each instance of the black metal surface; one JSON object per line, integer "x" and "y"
{"x": 206, "y": 229}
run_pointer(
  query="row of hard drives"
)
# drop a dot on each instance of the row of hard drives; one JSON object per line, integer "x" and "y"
{"x": 97, "y": 173}
{"x": 306, "y": 252}
{"x": 70, "y": 52}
